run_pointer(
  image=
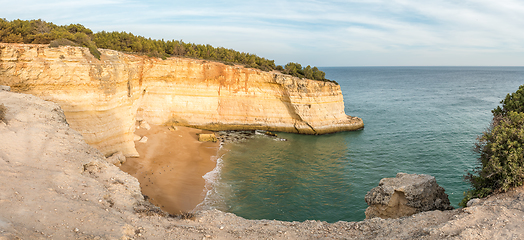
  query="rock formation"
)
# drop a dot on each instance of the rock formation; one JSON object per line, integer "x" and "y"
{"x": 102, "y": 99}
{"x": 55, "y": 186}
{"x": 117, "y": 159}
{"x": 406, "y": 195}
{"x": 207, "y": 138}
{"x": 50, "y": 175}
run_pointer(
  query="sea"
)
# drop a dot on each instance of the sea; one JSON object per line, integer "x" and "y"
{"x": 422, "y": 120}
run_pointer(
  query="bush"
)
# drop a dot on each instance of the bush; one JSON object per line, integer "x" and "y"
{"x": 62, "y": 42}
{"x": 3, "y": 110}
{"x": 42, "y": 32}
{"x": 93, "y": 49}
{"x": 501, "y": 150}
{"x": 81, "y": 42}
{"x": 513, "y": 102}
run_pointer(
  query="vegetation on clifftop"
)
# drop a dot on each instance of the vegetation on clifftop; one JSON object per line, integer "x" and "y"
{"x": 41, "y": 32}
{"x": 501, "y": 150}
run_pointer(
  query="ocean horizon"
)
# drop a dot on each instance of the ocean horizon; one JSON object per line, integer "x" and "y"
{"x": 419, "y": 119}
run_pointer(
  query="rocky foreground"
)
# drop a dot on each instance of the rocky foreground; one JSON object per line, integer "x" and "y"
{"x": 55, "y": 186}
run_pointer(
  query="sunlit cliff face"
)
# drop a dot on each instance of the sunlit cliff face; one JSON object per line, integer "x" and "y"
{"x": 102, "y": 99}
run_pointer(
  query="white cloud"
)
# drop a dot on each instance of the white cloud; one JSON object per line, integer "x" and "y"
{"x": 319, "y": 32}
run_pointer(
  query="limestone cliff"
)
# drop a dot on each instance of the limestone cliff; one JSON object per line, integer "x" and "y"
{"x": 102, "y": 99}
{"x": 55, "y": 186}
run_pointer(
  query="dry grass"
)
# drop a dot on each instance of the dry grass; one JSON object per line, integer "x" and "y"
{"x": 3, "y": 110}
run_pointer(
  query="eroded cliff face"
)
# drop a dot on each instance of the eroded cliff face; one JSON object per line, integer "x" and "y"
{"x": 102, "y": 99}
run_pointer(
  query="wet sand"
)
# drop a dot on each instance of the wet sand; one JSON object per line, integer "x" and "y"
{"x": 171, "y": 166}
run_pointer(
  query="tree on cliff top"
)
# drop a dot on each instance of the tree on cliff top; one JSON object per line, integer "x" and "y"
{"x": 501, "y": 150}
{"x": 41, "y": 32}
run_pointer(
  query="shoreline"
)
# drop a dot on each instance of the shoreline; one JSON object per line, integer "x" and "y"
{"x": 172, "y": 166}
{"x": 56, "y": 186}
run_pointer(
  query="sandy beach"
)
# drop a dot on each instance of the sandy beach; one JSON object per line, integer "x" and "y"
{"x": 171, "y": 165}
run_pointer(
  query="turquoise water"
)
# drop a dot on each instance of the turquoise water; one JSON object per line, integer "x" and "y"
{"x": 417, "y": 120}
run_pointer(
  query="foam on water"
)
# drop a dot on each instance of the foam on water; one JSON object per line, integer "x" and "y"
{"x": 213, "y": 199}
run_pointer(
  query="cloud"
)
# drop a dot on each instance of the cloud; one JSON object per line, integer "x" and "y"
{"x": 319, "y": 32}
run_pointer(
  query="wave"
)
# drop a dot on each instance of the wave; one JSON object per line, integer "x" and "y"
{"x": 214, "y": 198}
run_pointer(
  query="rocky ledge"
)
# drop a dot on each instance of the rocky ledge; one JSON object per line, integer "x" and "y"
{"x": 55, "y": 186}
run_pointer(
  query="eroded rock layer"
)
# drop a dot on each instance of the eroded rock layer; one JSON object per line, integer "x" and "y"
{"x": 55, "y": 186}
{"x": 103, "y": 98}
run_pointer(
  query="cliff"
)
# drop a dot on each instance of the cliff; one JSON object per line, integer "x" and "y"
{"x": 55, "y": 186}
{"x": 102, "y": 99}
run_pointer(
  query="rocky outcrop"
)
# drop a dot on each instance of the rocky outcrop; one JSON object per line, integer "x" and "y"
{"x": 51, "y": 177}
{"x": 405, "y": 195}
{"x": 207, "y": 137}
{"x": 55, "y": 186}
{"x": 102, "y": 99}
{"x": 117, "y": 159}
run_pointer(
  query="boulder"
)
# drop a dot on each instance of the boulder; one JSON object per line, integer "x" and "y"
{"x": 116, "y": 159}
{"x": 270, "y": 134}
{"x": 405, "y": 195}
{"x": 136, "y": 137}
{"x": 5, "y": 88}
{"x": 207, "y": 137}
{"x": 473, "y": 202}
{"x": 145, "y": 125}
{"x": 143, "y": 139}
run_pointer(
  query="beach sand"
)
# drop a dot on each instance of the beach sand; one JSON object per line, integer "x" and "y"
{"x": 171, "y": 166}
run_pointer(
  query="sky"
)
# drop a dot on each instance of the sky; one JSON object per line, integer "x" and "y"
{"x": 310, "y": 32}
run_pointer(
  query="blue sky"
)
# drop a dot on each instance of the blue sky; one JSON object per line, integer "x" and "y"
{"x": 319, "y": 33}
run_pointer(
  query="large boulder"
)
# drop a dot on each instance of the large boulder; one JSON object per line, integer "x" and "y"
{"x": 207, "y": 137}
{"x": 117, "y": 159}
{"x": 406, "y": 195}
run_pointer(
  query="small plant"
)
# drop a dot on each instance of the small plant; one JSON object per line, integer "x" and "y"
{"x": 84, "y": 42}
{"x": 3, "y": 110}
{"x": 501, "y": 150}
{"x": 94, "y": 50}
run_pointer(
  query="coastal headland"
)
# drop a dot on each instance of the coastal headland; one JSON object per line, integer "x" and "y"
{"x": 58, "y": 184}
{"x": 102, "y": 99}
{"x": 55, "y": 186}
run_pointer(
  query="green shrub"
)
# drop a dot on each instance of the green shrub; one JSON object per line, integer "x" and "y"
{"x": 42, "y": 32}
{"x": 93, "y": 49}
{"x": 62, "y": 42}
{"x": 513, "y": 102}
{"x": 84, "y": 42}
{"x": 501, "y": 150}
